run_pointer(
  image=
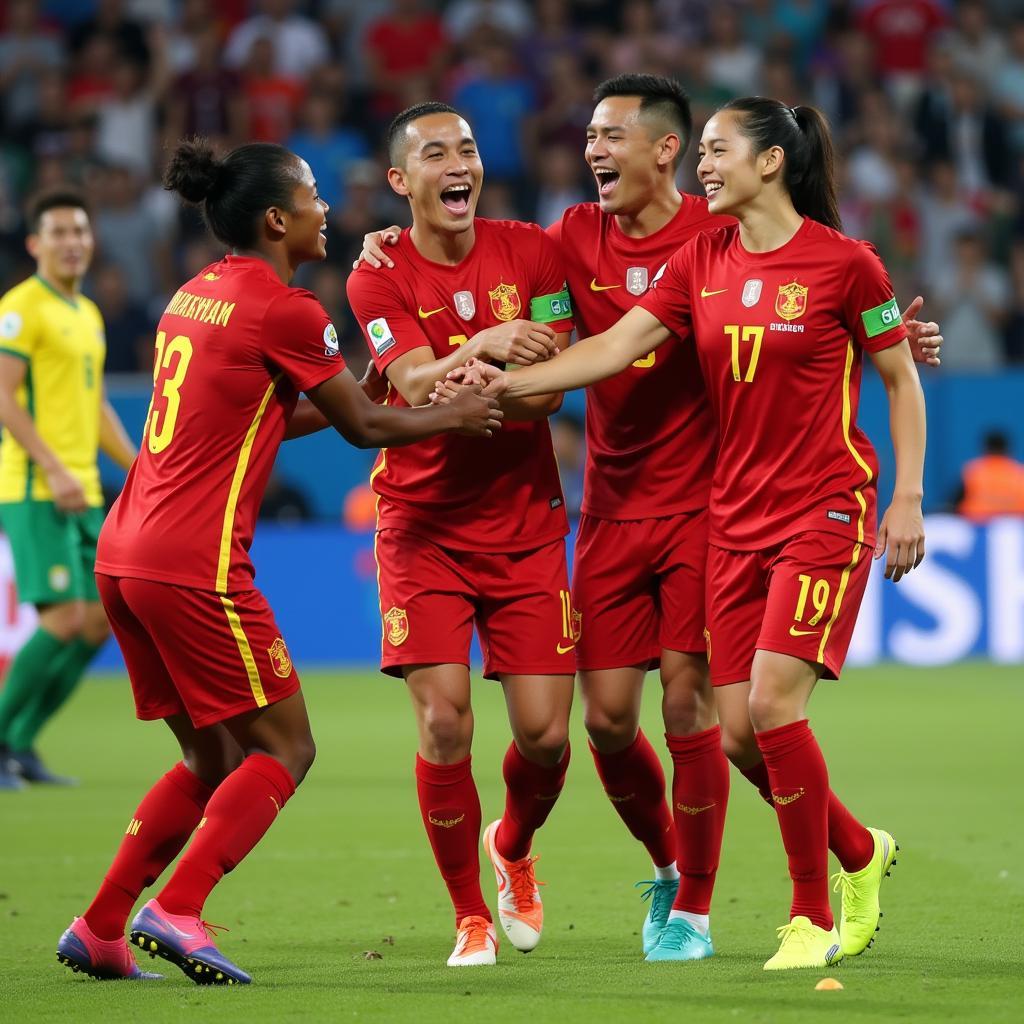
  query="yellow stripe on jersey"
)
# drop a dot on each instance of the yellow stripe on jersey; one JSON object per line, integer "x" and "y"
{"x": 857, "y": 493}
{"x": 255, "y": 683}
{"x": 377, "y": 470}
{"x": 224, "y": 561}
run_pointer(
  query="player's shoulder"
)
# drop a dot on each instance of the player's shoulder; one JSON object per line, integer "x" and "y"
{"x": 295, "y": 303}
{"x": 832, "y": 244}
{"x": 582, "y": 217}
{"x": 510, "y": 231}
{"x": 24, "y": 295}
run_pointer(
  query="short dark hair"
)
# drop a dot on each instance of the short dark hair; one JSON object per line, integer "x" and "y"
{"x": 396, "y": 130}
{"x": 662, "y": 97}
{"x": 59, "y": 197}
{"x": 234, "y": 193}
{"x": 996, "y": 443}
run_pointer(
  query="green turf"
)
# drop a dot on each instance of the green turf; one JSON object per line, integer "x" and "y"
{"x": 932, "y": 756}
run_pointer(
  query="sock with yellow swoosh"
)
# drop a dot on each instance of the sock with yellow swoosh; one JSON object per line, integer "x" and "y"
{"x": 531, "y": 790}
{"x": 450, "y": 807}
{"x": 799, "y": 782}
{"x": 238, "y": 814}
{"x": 700, "y": 796}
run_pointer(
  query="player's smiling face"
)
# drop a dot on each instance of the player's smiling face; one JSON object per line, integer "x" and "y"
{"x": 63, "y": 245}
{"x": 442, "y": 173}
{"x": 628, "y": 160}
{"x": 307, "y": 221}
{"x": 731, "y": 173}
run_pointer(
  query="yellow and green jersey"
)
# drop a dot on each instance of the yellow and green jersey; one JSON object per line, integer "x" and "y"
{"x": 63, "y": 345}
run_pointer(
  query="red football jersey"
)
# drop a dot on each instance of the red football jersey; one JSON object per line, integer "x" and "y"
{"x": 234, "y": 348}
{"x": 780, "y": 336}
{"x": 650, "y": 433}
{"x": 468, "y": 493}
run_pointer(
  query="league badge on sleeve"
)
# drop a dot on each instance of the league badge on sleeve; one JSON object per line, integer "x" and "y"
{"x": 10, "y": 325}
{"x": 465, "y": 305}
{"x": 331, "y": 347}
{"x": 791, "y": 302}
{"x": 380, "y": 335}
{"x": 636, "y": 280}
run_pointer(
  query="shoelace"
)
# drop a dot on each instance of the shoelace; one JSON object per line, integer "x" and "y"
{"x": 661, "y": 894}
{"x": 792, "y": 932}
{"x": 675, "y": 933}
{"x": 477, "y": 935}
{"x": 523, "y": 882}
{"x": 212, "y": 929}
{"x": 844, "y": 885}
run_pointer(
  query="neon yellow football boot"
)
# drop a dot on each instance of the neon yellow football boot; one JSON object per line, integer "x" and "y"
{"x": 858, "y": 921}
{"x": 805, "y": 945}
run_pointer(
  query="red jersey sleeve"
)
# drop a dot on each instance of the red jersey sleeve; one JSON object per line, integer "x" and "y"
{"x": 870, "y": 311}
{"x": 554, "y": 231}
{"x": 298, "y": 336}
{"x": 549, "y": 300}
{"x": 668, "y": 298}
{"x": 389, "y": 326}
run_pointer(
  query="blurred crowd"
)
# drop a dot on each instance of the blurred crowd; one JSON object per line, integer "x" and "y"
{"x": 926, "y": 98}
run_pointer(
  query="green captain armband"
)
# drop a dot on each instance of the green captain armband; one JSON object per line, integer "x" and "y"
{"x": 881, "y": 319}
{"x": 547, "y": 308}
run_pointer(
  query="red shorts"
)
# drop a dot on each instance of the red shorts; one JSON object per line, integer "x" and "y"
{"x": 800, "y": 597}
{"x": 430, "y": 596}
{"x": 639, "y": 586}
{"x": 196, "y": 652}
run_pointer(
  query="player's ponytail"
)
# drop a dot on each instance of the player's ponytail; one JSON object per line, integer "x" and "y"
{"x": 803, "y": 134}
{"x": 233, "y": 193}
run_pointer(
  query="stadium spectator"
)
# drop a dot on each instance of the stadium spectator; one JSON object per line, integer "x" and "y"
{"x": 902, "y": 31}
{"x": 299, "y": 43}
{"x": 559, "y": 186}
{"x": 111, "y": 23}
{"x": 327, "y": 145}
{"x": 405, "y": 50}
{"x": 945, "y": 213}
{"x": 643, "y": 41}
{"x": 272, "y": 99}
{"x": 733, "y": 63}
{"x": 1008, "y": 86}
{"x": 129, "y": 328}
{"x": 972, "y": 299}
{"x": 206, "y": 99}
{"x": 27, "y": 52}
{"x": 976, "y": 48}
{"x": 993, "y": 483}
{"x": 464, "y": 18}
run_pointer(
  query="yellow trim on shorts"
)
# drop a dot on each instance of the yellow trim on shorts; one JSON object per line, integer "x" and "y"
{"x": 858, "y": 494}
{"x": 227, "y": 529}
{"x": 255, "y": 683}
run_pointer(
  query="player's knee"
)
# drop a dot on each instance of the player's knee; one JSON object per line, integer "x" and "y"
{"x": 544, "y": 745}
{"x": 301, "y": 758}
{"x": 768, "y": 706}
{"x": 687, "y": 705}
{"x": 610, "y": 729}
{"x": 739, "y": 745}
{"x": 448, "y": 730}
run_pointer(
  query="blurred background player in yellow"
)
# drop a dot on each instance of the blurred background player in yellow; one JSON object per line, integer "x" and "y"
{"x": 55, "y": 417}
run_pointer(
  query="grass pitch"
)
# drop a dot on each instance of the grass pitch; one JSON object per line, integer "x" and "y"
{"x": 930, "y": 755}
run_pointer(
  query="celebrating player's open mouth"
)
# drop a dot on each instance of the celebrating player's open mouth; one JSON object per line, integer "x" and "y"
{"x": 456, "y": 198}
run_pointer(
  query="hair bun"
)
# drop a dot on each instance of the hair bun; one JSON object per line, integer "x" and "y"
{"x": 194, "y": 172}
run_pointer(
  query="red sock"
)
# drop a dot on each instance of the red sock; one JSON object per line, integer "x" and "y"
{"x": 530, "y": 792}
{"x": 700, "y": 795}
{"x": 848, "y": 839}
{"x": 160, "y": 827}
{"x": 450, "y": 807}
{"x": 799, "y": 780}
{"x": 635, "y": 784}
{"x": 240, "y": 811}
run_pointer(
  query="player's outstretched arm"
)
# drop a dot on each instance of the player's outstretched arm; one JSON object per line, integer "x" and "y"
{"x": 308, "y": 419}
{"x": 366, "y": 425}
{"x": 114, "y": 440}
{"x": 901, "y": 533}
{"x": 68, "y": 493}
{"x": 636, "y": 335}
{"x": 923, "y": 335}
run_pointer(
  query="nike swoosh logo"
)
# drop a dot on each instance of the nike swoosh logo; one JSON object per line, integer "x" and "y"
{"x": 177, "y": 931}
{"x": 705, "y": 294}
{"x": 427, "y": 313}
{"x": 595, "y": 287}
{"x": 564, "y": 650}
{"x": 793, "y": 631}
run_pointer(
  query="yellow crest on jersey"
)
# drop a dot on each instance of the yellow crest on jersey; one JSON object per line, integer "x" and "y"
{"x": 505, "y": 301}
{"x": 396, "y": 626}
{"x": 280, "y": 660}
{"x": 791, "y": 302}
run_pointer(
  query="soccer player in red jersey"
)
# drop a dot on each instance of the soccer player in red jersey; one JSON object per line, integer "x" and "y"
{"x": 782, "y": 307}
{"x": 470, "y": 532}
{"x": 234, "y": 348}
